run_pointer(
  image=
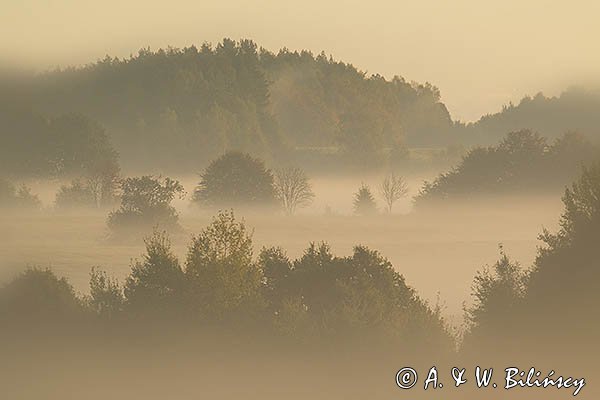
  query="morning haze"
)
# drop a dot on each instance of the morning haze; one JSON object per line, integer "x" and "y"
{"x": 265, "y": 201}
{"x": 480, "y": 54}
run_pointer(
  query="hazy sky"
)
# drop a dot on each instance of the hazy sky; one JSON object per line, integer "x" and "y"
{"x": 481, "y": 54}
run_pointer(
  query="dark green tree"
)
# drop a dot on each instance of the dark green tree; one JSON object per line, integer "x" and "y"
{"x": 146, "y": 203}
{"x": 364, "y": 202}
{"x": 106, "y": 295}
{"x": 156, "y": 283}
{"x": 38, "y": 295}
{"x": 236, "y": 179}
{"x": 498, "y": 294}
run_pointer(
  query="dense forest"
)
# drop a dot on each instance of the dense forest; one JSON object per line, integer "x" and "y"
{"x": 66, "y": 145}
{"x": 234, "y": 96}
{"x": 179, "y": 107}
{"x": 576, "y": 109}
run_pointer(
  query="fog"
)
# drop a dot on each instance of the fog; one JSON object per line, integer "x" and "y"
{"x": 438, "y": 250}
{"x": 481, "y": 55}
{"x": 321, "y": 200}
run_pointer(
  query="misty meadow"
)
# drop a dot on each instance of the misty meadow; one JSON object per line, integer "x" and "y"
{"x": 223, "y": 220}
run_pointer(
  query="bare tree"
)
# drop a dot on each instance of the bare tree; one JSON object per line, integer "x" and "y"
{"x": 293, "y": 189}
{"x": 102, "y": 182}
{"x": 392, "y": 189}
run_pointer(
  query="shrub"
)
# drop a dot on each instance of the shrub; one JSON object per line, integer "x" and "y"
{"x": 146, "y": 203}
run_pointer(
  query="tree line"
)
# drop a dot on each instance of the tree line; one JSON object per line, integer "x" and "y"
{"x": 523, "y": 162}
{"x": 319, "y": 295}
{"x": 199, "y": 101}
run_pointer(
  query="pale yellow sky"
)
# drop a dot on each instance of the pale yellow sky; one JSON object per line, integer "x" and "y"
{"x": 481, "y": 54}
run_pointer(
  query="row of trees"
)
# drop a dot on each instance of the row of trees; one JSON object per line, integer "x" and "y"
{"x": 392, "y": 189}
{"x": 221, "y": 282}
{"x": 522, "y": 162}
{"x": 198, "y": 101}
{"x": 65, "y": 146}
{"x": 238, "y": 179}
{"x": 233, "y": 180}
{"x": 320, "y": 295}
{"x": 574, "y": 109}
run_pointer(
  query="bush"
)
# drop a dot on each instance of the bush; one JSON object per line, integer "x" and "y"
{"x": 39, "y": 295}
{"x": 22, "y": 197}
{"x": 146, "y": 203}
{"x": 75, "y": 195}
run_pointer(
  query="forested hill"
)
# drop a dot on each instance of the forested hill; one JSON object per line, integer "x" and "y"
{"x": 575, "y": 110}
{"x": 176, "y": 106}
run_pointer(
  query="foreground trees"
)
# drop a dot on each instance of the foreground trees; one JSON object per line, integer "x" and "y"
{"x": 558, "y": 296}
{"x": 223, "y": 280}
{"x": 39, "y": 295}
{"x": 317, "y": 297}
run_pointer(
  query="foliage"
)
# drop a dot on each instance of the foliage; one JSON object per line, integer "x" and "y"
{"x": 573, "y": 109}
{"x": 95, "y": 192}
{"x": 156, "y": 282}
{"x": 236, "y": 179}
{"x": 364, "y": 202}
{"x": 198, "y": 101}
{"x": 106, "y": 295}
{"x": 223, "y": 279}
{"x": 562, "y": 281}
{"x": 75, "y": 195}
{"x": 293, "y": 189}
{"x": 38, "y": 294}
{"x": 392, "y": 189}
{"x": 328, "y": 296}
{"x": 62, "y": 146}
{"x": 565, "y": 273}
{"x": 498, "y": 292}
{"x": 521, "y": 162}
{"x": 276, "y": 268}
{"x": 146, "y": 202}
{"x": 318, "y": 296}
